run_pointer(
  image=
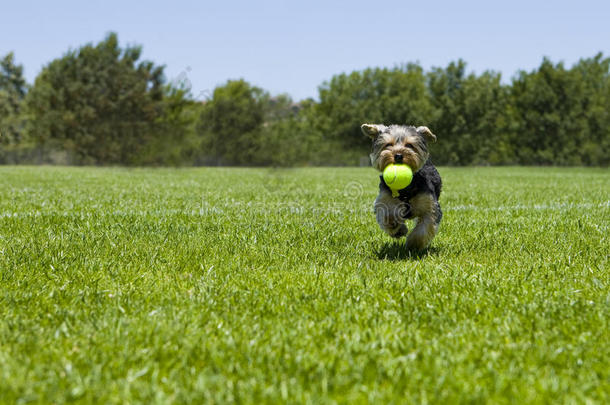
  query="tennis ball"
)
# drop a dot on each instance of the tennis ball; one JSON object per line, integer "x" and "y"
{"x": 397, "y": 177}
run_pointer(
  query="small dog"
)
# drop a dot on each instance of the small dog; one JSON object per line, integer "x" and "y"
{"x": 419, "y": 200}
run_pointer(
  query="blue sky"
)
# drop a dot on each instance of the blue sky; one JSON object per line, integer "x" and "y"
{"x": 294, "y": 46}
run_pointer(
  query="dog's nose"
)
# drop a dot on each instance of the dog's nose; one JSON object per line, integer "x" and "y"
{"x": 398, "y": 158}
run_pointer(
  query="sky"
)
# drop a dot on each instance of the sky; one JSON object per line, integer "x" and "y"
{"x": 294, "y": 46}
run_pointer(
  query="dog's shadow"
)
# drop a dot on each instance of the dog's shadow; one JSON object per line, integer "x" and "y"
{"x": 396, "y": 250}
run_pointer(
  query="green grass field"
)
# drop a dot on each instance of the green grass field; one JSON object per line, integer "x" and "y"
{"x": 248, "y": 286}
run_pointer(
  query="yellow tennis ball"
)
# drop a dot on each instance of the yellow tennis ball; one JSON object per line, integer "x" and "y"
{"x": 397, "y": 177}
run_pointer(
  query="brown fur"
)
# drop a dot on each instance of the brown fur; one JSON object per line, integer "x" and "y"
{"x": 423, "y": 207}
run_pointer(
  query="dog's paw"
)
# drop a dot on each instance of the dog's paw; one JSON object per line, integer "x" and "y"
{"x": 400, "y": 231}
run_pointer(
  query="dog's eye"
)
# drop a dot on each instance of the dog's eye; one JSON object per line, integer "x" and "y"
{"x": 408, "y": 145}
{"x": 387, "y": 145}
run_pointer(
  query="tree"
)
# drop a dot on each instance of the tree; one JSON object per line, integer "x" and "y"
{"x": 389, "y": 96}
{"x": 98, "y": 103}
{"x": 12, "y": 91}
{"x": 175, "y": 141}
{"x": 231, "y": 124}
{"x": 593, "y": 74}
{"x": 563, "y": 113}
{"x": 470, "y": 116}
{"x": 540, "y": 102}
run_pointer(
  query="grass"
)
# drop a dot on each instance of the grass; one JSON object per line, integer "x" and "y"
{"x": 248, "y": 286}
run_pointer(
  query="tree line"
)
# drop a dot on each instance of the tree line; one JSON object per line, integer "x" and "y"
{"x": 101, "y": 105}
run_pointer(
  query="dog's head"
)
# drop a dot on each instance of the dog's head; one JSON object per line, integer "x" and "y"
{"x": 398, "y": 144}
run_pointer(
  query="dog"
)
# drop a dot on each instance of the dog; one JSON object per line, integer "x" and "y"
{"x": 419, "y": 200}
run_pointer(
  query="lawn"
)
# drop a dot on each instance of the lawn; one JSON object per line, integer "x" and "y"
{"x": 260, "y": 285}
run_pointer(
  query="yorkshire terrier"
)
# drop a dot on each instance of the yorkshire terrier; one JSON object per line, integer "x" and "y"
{"x": 419, "y": 200}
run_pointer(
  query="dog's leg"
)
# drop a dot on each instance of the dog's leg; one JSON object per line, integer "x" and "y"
{"x": 428, "y": 215}
{"x": 391, "y": 214}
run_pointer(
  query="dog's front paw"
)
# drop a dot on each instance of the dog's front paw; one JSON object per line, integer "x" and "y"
{"x": 399, "y": 231}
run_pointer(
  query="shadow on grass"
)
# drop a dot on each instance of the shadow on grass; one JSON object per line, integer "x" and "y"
{"x": 396, "y": 250}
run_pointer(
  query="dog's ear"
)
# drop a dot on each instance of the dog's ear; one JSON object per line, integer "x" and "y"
{"x": 372, "y": 130}
{"x": 426, "y": 133}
